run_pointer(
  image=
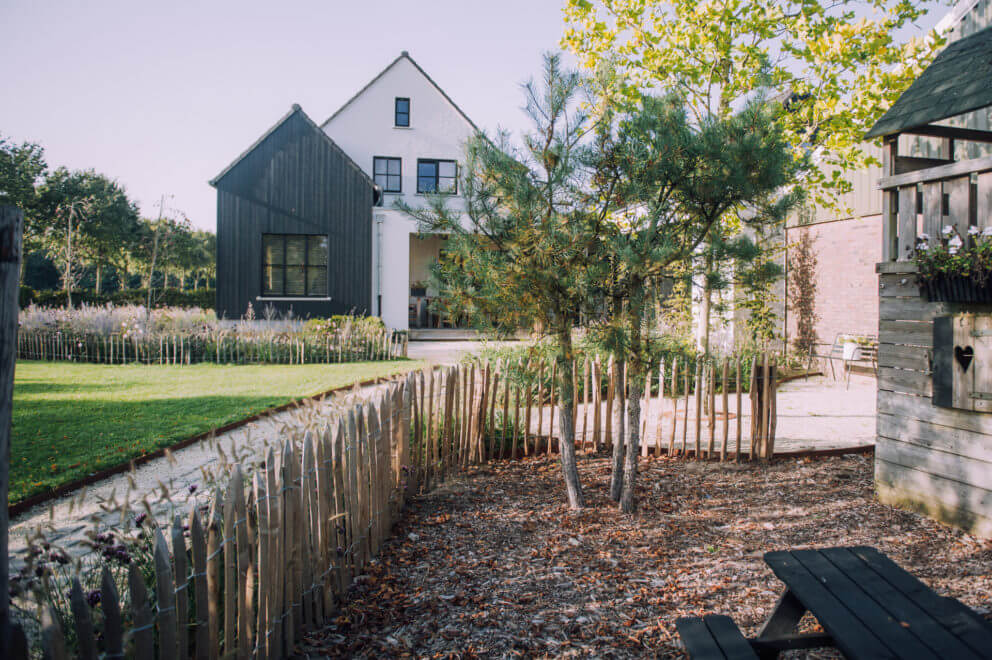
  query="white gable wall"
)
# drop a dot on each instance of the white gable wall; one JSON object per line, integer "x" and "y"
{"x": 364, "y": 128}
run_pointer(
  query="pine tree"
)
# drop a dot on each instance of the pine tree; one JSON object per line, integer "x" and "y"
{"x": 522, "y": 254}
{"x": 673, "y": 181}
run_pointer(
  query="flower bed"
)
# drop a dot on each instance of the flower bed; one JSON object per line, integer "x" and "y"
{"x": 128, "y": 334}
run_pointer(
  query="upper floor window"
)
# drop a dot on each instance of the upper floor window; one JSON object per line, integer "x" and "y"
{"x": 440, "y": 176}
{"x": 294, "y": 265}
{"x": 402, "y": 112}
{"x": 387, "y": 173}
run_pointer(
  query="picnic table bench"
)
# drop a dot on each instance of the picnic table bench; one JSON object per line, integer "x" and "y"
{"x": 868, "y": 607}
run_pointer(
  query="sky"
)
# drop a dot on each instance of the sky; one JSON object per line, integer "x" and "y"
{"x": 162, "y": 96}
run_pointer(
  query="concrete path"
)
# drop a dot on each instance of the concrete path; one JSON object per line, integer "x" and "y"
{"x": 448, "y": 352}
{"x": 169, "y": 485}
{"x": 818, "y": 414}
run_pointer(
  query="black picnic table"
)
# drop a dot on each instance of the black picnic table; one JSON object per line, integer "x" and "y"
{"x": 869, "y": 607}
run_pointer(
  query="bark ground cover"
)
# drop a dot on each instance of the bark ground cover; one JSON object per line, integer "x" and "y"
{"x": 495, "y": 565}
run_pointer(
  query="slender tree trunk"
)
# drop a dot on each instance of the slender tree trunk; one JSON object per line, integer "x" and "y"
{"x": 566, "y": 398}
{"x": 151, "y": 273}
{"x": 637, "y": 366}
{"x": 619, "y": 437}
{"x": 68, "y": 263}
{"x": 99, "y": 270}
{"x": 704, "y": 317}
{"x": 627, "y": 500}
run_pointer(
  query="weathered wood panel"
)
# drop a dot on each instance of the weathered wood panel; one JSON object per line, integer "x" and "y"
{"x": 966, "y": 470}
{"x": 904, "y": 357}
{"x": 898, "y": 285}
{"x": 947, "y": 500}
{"x": 935, "y": 436}
{"x": 910, "y": 406}
{"x": 932, "y": 459}
{"x": 904, "y": 380}
{"x": 294, "y": 181}
{"x": 915, "y": 333}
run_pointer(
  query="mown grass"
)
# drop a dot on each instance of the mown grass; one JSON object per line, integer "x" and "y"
{"x": 73, "y": 419}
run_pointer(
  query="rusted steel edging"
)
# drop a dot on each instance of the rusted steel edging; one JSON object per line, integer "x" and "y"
{"x": 59, "y": 491}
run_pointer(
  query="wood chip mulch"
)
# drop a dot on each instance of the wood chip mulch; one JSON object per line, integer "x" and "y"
{"x": 493, "y": 564}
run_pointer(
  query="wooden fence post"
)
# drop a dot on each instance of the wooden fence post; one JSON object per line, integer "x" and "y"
{"x": 11, "y": 225}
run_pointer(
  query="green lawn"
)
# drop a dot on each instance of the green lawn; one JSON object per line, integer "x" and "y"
{"x": 73, "y": 419}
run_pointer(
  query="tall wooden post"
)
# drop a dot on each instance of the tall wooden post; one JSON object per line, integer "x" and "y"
{"x": 12, "y": 643}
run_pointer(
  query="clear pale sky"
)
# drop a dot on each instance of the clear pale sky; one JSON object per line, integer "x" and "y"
{"x": 162, "y": 96}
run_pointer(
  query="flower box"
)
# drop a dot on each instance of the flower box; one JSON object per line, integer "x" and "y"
{"x": 958, "y": 289}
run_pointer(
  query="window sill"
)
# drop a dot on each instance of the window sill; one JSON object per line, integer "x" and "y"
{"x": 293, "y": 298}
{"x": 404, "y": 128}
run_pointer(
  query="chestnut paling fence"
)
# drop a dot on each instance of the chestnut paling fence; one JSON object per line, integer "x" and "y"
{"x": 219, "y": 346}
{"x": 277, "y": 549}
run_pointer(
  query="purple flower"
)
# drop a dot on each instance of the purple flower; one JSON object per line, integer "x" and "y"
{"x": 192, "y": 488}
{"x": 140, "y": 519}
{"x": 93, "y": 598}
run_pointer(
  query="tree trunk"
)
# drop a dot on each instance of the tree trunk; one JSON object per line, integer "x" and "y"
{"x": 99, "y": 270}
{"x": 68, "y": 264}
{"x": 619, "y": 439}
{"x": 627, "y": 501}
{"x": 704, "y": 319}
{"x": 11, "y": 223}
{"x": 566, "y": 398}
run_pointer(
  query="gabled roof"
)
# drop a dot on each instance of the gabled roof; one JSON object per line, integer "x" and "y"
{"x": 404, "y": 55}
{"x": 958, "y": 81}
{"x": 295, "y": 111}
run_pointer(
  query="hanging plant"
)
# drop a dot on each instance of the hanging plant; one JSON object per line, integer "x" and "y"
{"x": 956, "y": 268}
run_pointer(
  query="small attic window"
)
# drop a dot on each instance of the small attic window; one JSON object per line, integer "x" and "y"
{"x": 402, "y": 114}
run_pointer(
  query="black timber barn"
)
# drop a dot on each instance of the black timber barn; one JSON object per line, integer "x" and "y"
{"x": 294, "y": 226}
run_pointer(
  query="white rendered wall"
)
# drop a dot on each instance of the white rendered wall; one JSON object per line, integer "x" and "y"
{"x": 392, "y": 267}
{"x": 364, "y": 128}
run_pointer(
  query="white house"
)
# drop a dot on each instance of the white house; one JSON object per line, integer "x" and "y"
{"x": 409, "y": 136}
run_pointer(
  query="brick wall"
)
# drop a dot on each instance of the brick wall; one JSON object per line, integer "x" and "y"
{"x": 846, "y": 282}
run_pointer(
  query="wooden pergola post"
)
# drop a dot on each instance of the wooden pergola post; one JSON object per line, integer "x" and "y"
{"x": 12, "y": 642}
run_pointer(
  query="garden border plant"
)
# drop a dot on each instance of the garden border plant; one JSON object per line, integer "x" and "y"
{"x": 955, "y": 268}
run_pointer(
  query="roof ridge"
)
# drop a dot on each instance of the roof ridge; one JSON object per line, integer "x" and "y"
{"x": 294, "y": 109}
{"x": 403, "y": 55}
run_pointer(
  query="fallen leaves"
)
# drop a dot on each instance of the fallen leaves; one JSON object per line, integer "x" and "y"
{"x": 495, "y": 565}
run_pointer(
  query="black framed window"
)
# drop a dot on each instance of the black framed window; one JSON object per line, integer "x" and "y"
{"x": 440, "y": 176}
{"x": 294, "y": 265}
{"x": 387, "y": 173}
{"x": 402, "y": 112}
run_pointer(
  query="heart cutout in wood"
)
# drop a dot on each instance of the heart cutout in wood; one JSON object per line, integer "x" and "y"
{"x": 964, "y": 356}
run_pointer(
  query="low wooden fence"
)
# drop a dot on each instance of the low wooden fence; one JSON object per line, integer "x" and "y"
{"x": 275, "y": 551}
{"x": 221, "y": 347}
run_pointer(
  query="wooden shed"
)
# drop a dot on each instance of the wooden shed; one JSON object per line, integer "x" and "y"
{"x": 294, "y": 226}
{"x": 934, "y": 433}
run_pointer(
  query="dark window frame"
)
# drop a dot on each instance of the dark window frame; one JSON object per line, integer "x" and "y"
{"x": 387, "y": 175}
{"x": 437, "y": 175}
{"x": 397, "y": 114}
{"x": 307, "y": 266}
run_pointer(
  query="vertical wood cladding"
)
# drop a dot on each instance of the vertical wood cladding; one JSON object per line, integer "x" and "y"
{"x": 294, "y": 180}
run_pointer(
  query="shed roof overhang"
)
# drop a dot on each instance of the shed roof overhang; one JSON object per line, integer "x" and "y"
{"x": 958, "y": 81}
